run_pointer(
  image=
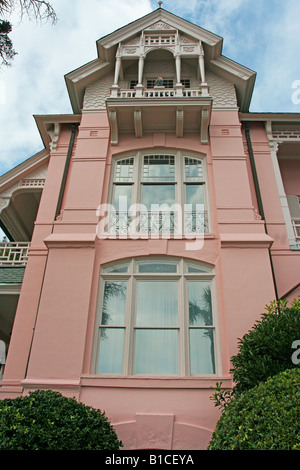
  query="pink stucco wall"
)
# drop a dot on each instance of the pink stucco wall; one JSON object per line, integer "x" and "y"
{"x": 52, "y": 340}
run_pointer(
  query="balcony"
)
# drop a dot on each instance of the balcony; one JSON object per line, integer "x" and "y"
{"x": 13, "y": 259}
{"x": 151, "y": 224}
{"x": 296, "y": 228}
{"x": 159, "y": 93}
{"x": 14, "y": 253}
{"x": 167, "y": 110}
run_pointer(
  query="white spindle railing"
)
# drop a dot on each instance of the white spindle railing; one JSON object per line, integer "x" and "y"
{"x": 14, "y": 253}
{"x": 296, "y": 227}
{"x": 161, "y": 93}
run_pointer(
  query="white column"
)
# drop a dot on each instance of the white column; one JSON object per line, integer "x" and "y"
{"x": 115, "y": 87}
{"x": 178, "y": 87}
{"x": 203, "y": 86}
{"x": 178, "y": 68}
{"x": 117, "y": 70}
{"x": 281, "y": 191}
{"x": 139, "y": 87}
{"x": 141, "y": 69}
{"x": 202, "y": 68}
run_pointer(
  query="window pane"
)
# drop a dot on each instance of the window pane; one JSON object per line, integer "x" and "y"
{"x": 195, "y": 195}
{"x": 122, "y": 197}
{"x": 156, "y": 195}
{"x": 124, "y": 170}
{"x": 114, "y": 302}
{"x": 193, "y": 170}
{"x": 120, "y": 268}
{"x": 202, "y": 351}
{"x": 195, "y": 269}
{"x": 157, "y": 303}
{"x": 157, "y": 267}
{"x": 159, "y": 168}
{"x": 200, "y": 307}
{"x": 156, "y": 352}
{"x": 111, "y": 351}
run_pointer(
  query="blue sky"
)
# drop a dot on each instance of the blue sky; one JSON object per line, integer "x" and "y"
{"x": 262, "y": 35}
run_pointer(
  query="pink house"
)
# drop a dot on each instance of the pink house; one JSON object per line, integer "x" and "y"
{"x": 149, "y": 234}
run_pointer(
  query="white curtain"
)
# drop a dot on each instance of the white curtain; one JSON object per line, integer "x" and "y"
{"x": 156, "y": 349}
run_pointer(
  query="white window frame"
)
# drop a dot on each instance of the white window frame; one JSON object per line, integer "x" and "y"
{"x": 180, "y": 180}
{"x": 132, "y": 277}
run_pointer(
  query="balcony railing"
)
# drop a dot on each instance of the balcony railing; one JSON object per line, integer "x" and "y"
{"x": 296, "y": 227}
{"x": 156, "y": 223}
{"x": 160, "y": 93}
{"x": 14, "y": 253}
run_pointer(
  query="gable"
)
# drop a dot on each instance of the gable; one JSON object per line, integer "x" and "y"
{"x": 164, "y": 31}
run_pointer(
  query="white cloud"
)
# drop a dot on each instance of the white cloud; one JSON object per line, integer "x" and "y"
{"x": 35, "y": 82}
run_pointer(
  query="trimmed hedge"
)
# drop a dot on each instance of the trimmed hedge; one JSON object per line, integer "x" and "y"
{"x": 263, "y": 418}
{"x": 46, "y": 420}
{"x": 266, "y": 350}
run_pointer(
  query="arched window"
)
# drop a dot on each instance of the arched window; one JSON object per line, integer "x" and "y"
{"x": 158, "y": 193}
{"x": 155, "y": 317}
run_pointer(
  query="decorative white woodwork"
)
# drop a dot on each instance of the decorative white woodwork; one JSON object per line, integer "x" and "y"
{"x": 14, "y": 254}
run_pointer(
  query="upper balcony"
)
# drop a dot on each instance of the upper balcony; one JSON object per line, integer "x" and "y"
{"x": 159, "y": 86}
{"x": 159, "y": 109}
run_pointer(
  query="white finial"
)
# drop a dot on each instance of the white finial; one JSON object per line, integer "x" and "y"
{"x": 160, "y": 3}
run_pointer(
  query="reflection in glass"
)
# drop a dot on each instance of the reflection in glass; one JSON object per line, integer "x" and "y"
{"x": 200, "y": 305}
{"x": 122, "y": 197}
{"x": 111, "y": 351}
{"x": 114, "y": 302}
{"x": 157, "y": 267}
{"x": 195, "y": 269}
{"x": 157, "y": 303}
{"x": 120, "y": 268}
{"x": 156, "y": 352}
{"x": 202, "y": 351}
{"x": 159, "y": 168}
{"x": 193, "y": 170}
{"x": 195, "y": 195}
{"x": 158, "y": 194}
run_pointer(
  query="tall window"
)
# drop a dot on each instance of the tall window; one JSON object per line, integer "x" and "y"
{"x": 156, "y": 317}
{"x": 159, "y": 193}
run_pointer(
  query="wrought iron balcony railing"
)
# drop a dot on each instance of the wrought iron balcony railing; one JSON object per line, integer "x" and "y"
{"x": 14, "y": 253}
{"x": 156, "y": 223}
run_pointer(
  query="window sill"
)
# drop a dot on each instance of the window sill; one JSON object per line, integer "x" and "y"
{"x": 109, "y": 381}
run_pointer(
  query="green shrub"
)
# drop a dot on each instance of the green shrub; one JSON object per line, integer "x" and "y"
{"x": 46, "y": 420}
{"x": 267, "y": 349}
{"x": 263, "y": 418}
